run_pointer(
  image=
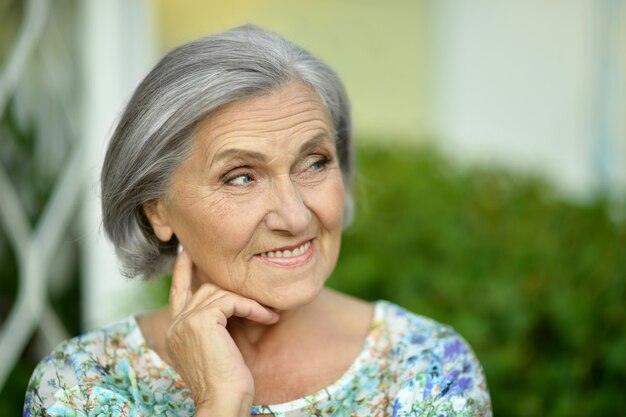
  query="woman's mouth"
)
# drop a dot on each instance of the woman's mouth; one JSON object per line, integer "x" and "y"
{"x": 288, "y": 253}
{"x": 288, "y": 257}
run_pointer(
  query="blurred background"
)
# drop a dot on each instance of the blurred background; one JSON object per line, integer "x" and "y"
{"x": 492, "y": 179}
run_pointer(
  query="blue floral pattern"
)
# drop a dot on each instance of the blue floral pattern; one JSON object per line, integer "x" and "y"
{"x": 409, "y": 366}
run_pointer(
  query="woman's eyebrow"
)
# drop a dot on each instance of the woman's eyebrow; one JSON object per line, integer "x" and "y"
{"x": 309, "y": 146}
{"x": 240, "y": 153}
{"x": 314, "y": 143}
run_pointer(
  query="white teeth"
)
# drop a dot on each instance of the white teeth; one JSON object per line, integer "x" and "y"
{"x": 288, "y": 253}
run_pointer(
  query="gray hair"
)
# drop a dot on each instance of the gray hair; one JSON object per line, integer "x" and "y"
{"x": 154, "y": 134}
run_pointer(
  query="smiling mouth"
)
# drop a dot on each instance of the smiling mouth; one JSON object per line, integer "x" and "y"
{"x": 289, "y": 257}
{"x": 287, "y": 253}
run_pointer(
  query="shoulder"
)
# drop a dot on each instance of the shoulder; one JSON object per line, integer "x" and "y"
{"x": 437, "y": 369}
{"x": 97, "y": 347}
{"x": 62, "y": 375}
{"x": 412, "y": 331}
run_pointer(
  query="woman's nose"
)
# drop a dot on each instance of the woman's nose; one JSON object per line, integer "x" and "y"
{"x": 287, "y": 211}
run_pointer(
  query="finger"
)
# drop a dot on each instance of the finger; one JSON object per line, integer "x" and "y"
{"x": 235, "y": 305}
{"x": 206, "y": 294}
{"x": 180, "y": 290}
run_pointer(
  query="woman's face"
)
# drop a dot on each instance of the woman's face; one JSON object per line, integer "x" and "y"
{"x": 258, "y": 205}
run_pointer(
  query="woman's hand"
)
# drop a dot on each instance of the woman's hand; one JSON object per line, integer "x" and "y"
{"x": 202, "y": 350}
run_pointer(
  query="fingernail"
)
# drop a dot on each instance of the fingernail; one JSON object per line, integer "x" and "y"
{"x": 180, "y": 248}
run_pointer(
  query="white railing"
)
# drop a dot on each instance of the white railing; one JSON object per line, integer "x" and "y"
{"x": 34, "y": 246}
{"x": 115, "y": 50}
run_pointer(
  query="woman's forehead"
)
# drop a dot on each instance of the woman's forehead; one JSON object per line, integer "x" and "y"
{"x": 285, "y": 117}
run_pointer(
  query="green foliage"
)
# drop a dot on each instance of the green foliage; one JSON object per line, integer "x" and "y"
{"x": 536, "y": 284}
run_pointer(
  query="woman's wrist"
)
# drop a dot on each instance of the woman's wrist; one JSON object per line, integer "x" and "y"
{"x": 225, "y": 406}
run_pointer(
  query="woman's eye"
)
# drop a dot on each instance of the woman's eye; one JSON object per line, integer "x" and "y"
{"x": 243, "y": 179}
{"x": 319, "y": 164}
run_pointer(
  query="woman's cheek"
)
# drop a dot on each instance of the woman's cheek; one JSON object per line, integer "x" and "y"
{"x": 332, "y": 202}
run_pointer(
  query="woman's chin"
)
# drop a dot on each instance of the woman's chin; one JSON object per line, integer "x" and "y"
{"x": 292, "y": 300}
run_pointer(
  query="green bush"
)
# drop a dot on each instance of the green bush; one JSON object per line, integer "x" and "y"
{"x": 537, "y": 285}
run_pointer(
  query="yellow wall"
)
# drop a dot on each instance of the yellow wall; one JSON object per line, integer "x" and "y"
{"x": 378, "y": 48}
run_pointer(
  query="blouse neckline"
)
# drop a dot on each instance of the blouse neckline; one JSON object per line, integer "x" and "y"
{"x": 362, "y": 358}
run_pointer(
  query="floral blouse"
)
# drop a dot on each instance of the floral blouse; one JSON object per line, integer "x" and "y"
{"x": 408, "y": 366}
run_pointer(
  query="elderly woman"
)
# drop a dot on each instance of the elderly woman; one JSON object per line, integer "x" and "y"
{"x": 231, "y": 169}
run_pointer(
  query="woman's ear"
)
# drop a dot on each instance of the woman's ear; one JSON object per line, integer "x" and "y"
{"x": 156, "y": 214}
